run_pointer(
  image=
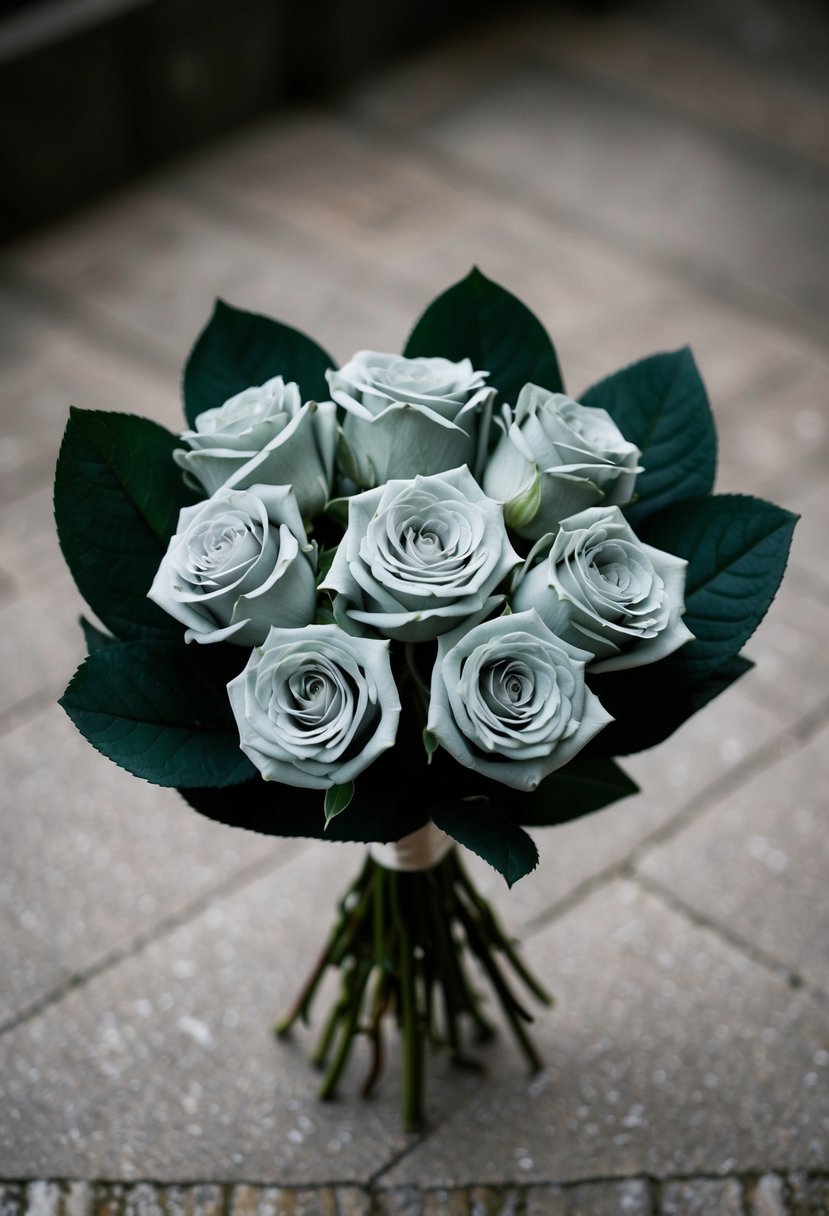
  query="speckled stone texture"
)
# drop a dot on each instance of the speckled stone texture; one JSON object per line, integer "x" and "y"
{"x": 145, "y": 952}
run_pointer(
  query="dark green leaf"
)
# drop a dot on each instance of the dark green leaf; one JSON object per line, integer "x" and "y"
{"x": 160, "y": 711}
{"x": 94, "y": 637}
{"x": 239, "y": 349}
{"x": 581, "y": 787}
{"x": 117, "y": 499}
{"x": 650, "y": 703}
{"x": 478, "y": 320}
{"x": 661, "y": 405}
{"x": 736, "y": 549}
{"x": 336, "y": 800}
{"x": 284, "y": 810}
{"x": 492, "y": 835}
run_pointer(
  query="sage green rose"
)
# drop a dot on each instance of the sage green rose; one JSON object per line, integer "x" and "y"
{"x": 315, "y": 706}
{"x": 238, "y": 563}
{"x": 409, "y": 416}
{"x": 602, "y": 589}
{"x": 265, "y": 434}
{"x": 509, "y": 700}
{"x": 556, "y": 457}
{"x": 419, "y": 556}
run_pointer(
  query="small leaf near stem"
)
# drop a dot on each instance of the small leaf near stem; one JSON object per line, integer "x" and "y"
{"x": 430, "y": 743}
{"x": 337, "y": 799}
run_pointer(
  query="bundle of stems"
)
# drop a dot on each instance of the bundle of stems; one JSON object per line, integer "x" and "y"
{"x": 402, "y": 942}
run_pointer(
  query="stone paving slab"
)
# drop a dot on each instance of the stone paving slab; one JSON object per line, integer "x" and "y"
{"x": 432, "y": 224}
{"x": 791, "y": 677}
{"x": 650, "y": 180}
{"x": 664, "y": 69}
{"x": 808, "y": 548}
{"x": 757, "y": 861}
{"x": 148, "y": 950}
{"x": 94, "y": 858}
{"x": 165, "y": 1065}
{"x": 185, "y": 1024}
{"x": 30, "y": 556}
{"x": 422, "y": 221}
{"x": 779, "y": 431}
{"x": 661, "y": 1055}
{"x": 707, "y": 1197}
{"x": 33, "y": 652}
{"x": 47, "y": 368}
{"x": 31, "y": 963}
{"x": 672, "y": 776}
{"x": 115, "y": 263}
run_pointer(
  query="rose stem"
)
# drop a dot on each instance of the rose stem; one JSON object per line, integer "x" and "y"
{"x": 481, "y": 947}
{"x": 374, "y": 1031}
{"x": 412, "y": 1039}
{"x": 359, "y": 977}
{"x": 452, "y": 985}
{"x": 468, "y": 1000}
{"x": 379, "y": 915}
{"x": 355, "y": 917}
{"x": 303, "y": 1001}
{"x": 510, "y": 1006}
{"x": 320, "y": 1054}
{"x": 302, "y": 1004}
{"x": 499, "y": 938}
{"x": 425, "y": 950}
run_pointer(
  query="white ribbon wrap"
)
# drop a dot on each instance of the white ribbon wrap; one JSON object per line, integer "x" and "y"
{"x": 419, "y": 851}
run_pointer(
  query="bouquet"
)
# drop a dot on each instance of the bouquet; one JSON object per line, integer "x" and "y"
{"x": 414, "y": 601}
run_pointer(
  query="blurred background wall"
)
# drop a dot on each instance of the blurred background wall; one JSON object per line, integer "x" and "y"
{"x": 93, "y": 92}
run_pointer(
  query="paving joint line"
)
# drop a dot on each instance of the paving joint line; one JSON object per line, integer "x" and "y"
{"x": 228, "y": 887}
{"x": 627, "y": 866}
{"x": 746, "y": 1176}
{"x": 793, "y": 978}
{"x": 799, "y": 734}
{"x": 750, "y": 766}
{"x": 420, "y": 1139}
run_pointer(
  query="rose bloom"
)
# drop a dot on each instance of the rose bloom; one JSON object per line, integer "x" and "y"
{"x": 508, "y": 699}
{"x": 408, "y": 416}
{"x": 237, "y": 564}
{"x": 556, "y": 457}
{"x": 602, "y": 589}
{"x": 265, "y": 434}
{"x": 420, "y": 555}
{"x": 315, "y": 706}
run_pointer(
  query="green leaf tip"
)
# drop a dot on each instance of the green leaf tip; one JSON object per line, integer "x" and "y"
{"x": 487, "y": 831}
{"x": 660, "y": 403}
{"x": 238, "y": 350}
{"x": 337, "y": 799}
{"x": 430, "y": 743}
{"x": 477, "y": 319}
